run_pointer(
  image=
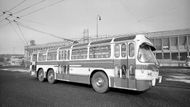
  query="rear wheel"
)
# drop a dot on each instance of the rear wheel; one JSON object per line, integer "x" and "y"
{"x": 99, "y": 82}
{"x": 41, "y": 75}
{"x": 51, "y": 76}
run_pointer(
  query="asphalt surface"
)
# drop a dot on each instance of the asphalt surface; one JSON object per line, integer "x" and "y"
{"x": 18, "y": 89}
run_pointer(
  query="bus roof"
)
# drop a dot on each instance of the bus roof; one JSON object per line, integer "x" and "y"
{"x": 125, "y": 38}
{"x": 80, "y": 45}
{"x": 101, "y": 41}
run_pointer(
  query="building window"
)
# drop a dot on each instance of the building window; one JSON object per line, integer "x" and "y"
{"x": 183, "y": 56}
{"x": 166, "y": 43}
{"x": 182, "y": 42}
{"x": 166, "y": 55}
{"x": 174, "y": 43}
{"x": 175, "y": 56}
{"x": 158, "y": 55}
{"x": 117, "y": 50}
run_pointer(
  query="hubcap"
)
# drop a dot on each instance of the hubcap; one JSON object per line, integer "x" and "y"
{"x": 41, "y": 75}
{"x": 51, "y": 76}
{"x": 99, "y": 82}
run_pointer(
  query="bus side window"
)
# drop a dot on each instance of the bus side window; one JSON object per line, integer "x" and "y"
{"x": 123, "y": 50}
{"x": 103, "y": 51}
{"x": 131, "y": 50}
{"x": 68, "y": 54}
{"x": 61, "y": 54}
{"x": 52, "y": 55}
{"x": 117, "y": 50}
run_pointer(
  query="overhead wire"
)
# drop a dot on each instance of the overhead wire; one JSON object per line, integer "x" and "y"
{"x": 34, "y": 10}
{"x": 4, "y": 12}
{"x": 28, "y": 27}
{"x": 37, "y": 3}
{"x": 137, "y": 19}
{"x": 32, "y": 21}
{"x": 42, "y": 8}
{"x": 15, "y": 30}
{"x": 43, "y": 32}
{"x": 17, "y": 5}
{"x": 22, "y": 34}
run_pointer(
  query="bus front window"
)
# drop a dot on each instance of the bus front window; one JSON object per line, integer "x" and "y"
{"x": 146, "y": 55}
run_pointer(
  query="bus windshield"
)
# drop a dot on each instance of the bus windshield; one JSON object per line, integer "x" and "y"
{"x": 146, "y": 55}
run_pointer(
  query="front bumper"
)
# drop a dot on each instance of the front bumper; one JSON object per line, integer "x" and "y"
{"x": 154, "y": 80}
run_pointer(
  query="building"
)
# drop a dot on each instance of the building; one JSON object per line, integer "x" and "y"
{"x": 12, "y": 59}
{"x": 16, "y": 60}
{"x": 173, "y": 46}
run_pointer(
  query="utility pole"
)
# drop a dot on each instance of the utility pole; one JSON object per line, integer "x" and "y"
{"x": 97, "y": 20}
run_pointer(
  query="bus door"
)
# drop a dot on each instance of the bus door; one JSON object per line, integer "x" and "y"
{"x": 124, "y": 66}
{"x": 131, "y": 65}
{"x": 121, "y": 65}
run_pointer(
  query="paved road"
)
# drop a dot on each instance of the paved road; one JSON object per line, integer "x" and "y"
{"x": 18, "y": 89}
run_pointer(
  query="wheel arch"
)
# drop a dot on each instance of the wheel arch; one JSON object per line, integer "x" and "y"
{"x": 99, "y": 70}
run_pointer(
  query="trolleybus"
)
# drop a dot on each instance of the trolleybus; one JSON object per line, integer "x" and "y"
{"x": 121, "y": 62}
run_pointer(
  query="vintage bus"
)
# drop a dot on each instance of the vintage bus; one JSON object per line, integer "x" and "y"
{"x": 122, "y": 62}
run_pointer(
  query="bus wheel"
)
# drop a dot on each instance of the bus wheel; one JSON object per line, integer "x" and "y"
{"x": 50, "y": 76}
{"x": 41, "y": 75}
{"x": 99, "y": 82}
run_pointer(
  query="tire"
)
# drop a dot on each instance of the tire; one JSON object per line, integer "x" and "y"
{"x": 41, "y": 75}
{"x": 99, "y": 82}
{"x": 51, "y": 76}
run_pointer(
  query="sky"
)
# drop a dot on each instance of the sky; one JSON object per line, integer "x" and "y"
{"x": 69, "y": 18}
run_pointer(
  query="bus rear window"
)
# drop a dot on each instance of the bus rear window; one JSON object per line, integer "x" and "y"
{"x": 42, "y": 56}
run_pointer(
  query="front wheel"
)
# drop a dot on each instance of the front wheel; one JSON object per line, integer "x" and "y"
{"x": 51, "y": 77}
{"x": 99, "y": 82}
